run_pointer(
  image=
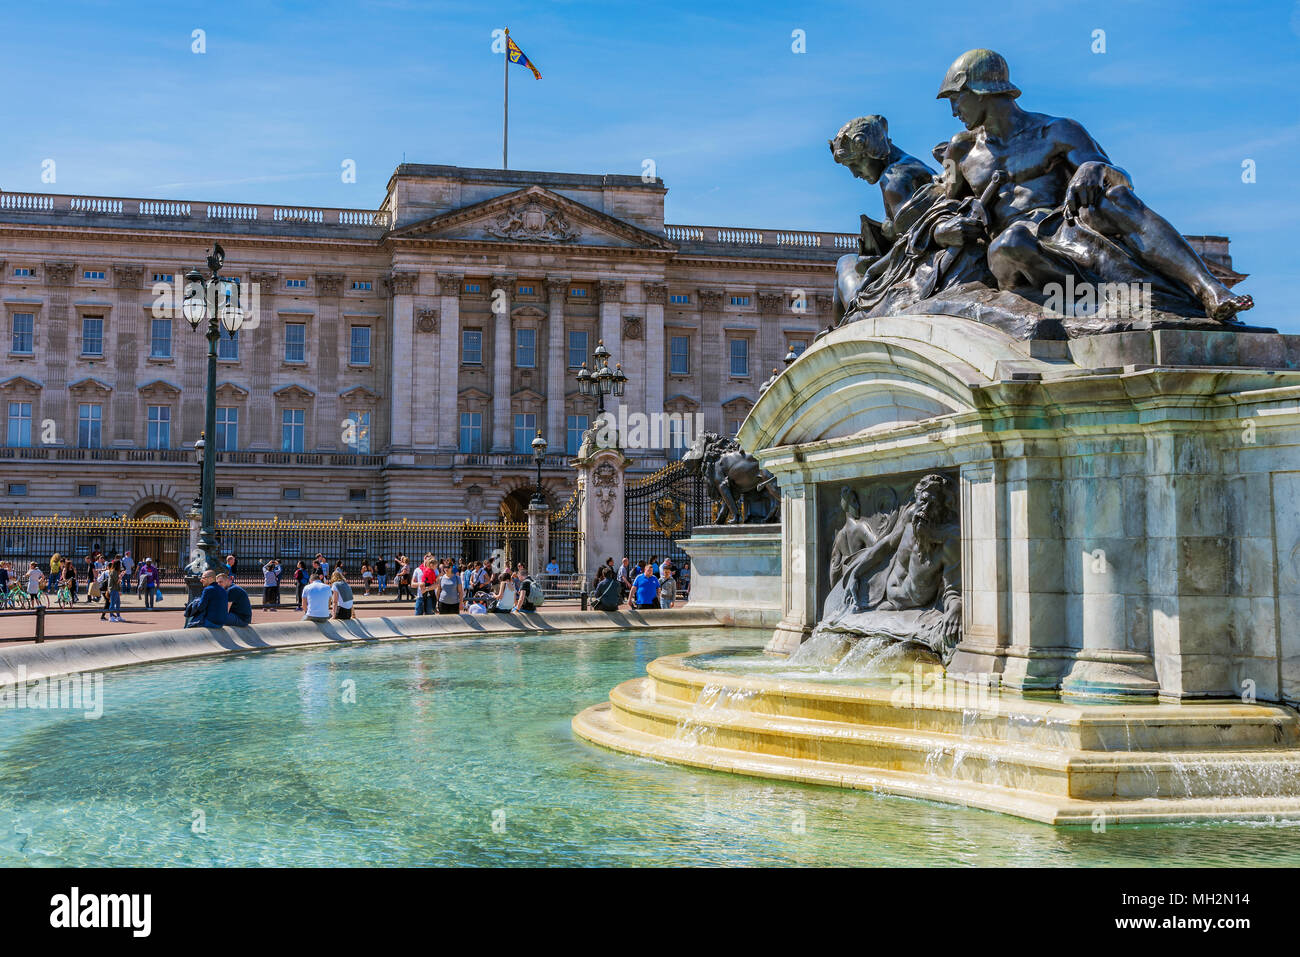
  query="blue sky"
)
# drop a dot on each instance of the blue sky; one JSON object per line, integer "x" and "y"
{"x": 735, "y": 121}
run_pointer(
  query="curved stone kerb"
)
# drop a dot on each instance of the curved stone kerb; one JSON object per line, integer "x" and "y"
{"x": 880, "y": 372}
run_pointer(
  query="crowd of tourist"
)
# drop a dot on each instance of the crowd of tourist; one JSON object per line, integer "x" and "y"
{"x": 652, "y": 584}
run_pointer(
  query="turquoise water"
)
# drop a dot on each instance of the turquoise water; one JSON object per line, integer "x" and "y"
{"x": 460, "y": 752}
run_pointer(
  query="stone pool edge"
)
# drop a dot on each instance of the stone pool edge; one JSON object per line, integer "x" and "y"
{"x": 68, "y": 656}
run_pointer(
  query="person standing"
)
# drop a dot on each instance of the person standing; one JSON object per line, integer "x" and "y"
{"x": 35, "y": 581}
{"x": 56, "y": 570}
{"x": 231, "y": 565}
{"x": 381, "y": 574}
{"x": 113, "y": 598}
{"x": 367, "y": 574}
{"x": 128, "y": 570}
{"x": 300, "y": 579}
{"x": 271, "y": 585}
{"x": 667, "y": 586}
{"x": 450, "y": 592}
{"x": 625, "y": 577}
{"x": 69, "y": 575}
{"x": 645, "y": 588}
{"x": 149, "y": 582}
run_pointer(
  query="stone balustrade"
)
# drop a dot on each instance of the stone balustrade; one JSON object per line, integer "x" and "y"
{"x": 761, "y": 238}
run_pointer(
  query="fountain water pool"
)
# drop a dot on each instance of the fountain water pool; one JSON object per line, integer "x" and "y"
{"x": 443, "y": 734}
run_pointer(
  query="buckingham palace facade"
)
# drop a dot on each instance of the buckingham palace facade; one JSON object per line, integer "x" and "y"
{"x": 400, "y": 360}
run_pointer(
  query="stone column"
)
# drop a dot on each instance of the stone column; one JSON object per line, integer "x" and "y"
{"x": 126, "y": 354}
{"x": 328, "y": 424}
{"x": 656, "y": 296}
{"x": 557, "y": 352}
{"x": 601, "y": 480}
{"x": 713, "y": 358}
{"x": 984, "y": 573}
{"x": 54, "y": 397}
{"x": 801, "y": 557}
{"x": 502, "y": 361}
{"x": 401, "y": 373}
{"x": 259, "y": 432}
{"x": 611, "y": 328}
{"x": 449, "y": 286}
{"x": 539, "y": 539}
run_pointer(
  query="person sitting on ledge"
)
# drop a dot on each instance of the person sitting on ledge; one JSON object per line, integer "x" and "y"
{"x": 209, "y": 609}
{"x": 608, "y": 594}
{"x": 240, "y": 611}
{"x": 341, "y": 597}
{"x": 316, "y": 598}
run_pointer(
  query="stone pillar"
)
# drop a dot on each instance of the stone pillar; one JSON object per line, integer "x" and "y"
{"x": 260, "y": 430}
{"x": 125, "y": 353}
{"x": 328, "y": 424}
{"x": 601, "y": 480}
{"x": 539, "y": 538}
{"x": 557, "y": 352}
{"x": 503, "y": 349}
{"x": 611, "y": 328}
{"x": 401, "y": 373}
{"x": 656, "y": 296}
{"x": 801, "y": 558}
{"x": 449, "y": 287}
{"x": 54, "y": 397}
{"x": 713, "y": 358}
{"x": 984, "y": 573}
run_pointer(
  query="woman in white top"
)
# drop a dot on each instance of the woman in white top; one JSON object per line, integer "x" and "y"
{"x": 505, "y": 595}
{"x": 34, "y": 580}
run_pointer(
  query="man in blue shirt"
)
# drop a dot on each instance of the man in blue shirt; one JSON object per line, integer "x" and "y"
{"x": 645, "y": 589}
{"x": 209, "y": 609}
{"x": 241, "y": 608}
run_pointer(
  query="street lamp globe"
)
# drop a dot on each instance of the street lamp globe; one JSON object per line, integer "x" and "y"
{"x": 539, "y": 447}
{"x": 604, "y": 379}
{"x": 620, "y": 380}
{"x": 195, "y": 306}
{"x": 584, "y": 380}
{"x": 232, "y": 316}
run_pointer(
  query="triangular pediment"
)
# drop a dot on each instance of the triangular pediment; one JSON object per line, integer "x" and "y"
{"x": 533, "y": 216}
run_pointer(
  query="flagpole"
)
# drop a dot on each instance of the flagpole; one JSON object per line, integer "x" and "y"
{"x": 505, "y": 113}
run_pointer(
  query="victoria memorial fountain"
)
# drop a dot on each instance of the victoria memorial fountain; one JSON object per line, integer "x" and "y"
{"x": 1039, "y": 517}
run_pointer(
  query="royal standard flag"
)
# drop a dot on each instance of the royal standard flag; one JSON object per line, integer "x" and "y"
{"x": 516, "y": 55}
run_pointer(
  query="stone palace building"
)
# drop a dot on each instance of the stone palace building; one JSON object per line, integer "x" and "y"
{"x": 401, "y": 360}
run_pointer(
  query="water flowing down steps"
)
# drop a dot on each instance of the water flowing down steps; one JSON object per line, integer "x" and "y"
{"x": 1044, "y": 760}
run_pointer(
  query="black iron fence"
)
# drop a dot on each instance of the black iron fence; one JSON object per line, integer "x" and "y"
{"x": 40, "y": 540}
{"x": 661, "y": 509}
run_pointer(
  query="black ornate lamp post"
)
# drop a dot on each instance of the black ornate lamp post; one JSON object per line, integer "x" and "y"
{"x": 216, "y": 301}
{"x": 602, "y": 381}
{"x": 539, "y": 456}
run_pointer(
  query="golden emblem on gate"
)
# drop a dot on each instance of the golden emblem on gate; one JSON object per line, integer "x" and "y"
{"x": 667, "y": 515}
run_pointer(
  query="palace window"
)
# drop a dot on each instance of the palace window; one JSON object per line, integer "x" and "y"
{"x": 159, "y": 435}
{"x": 740, "y": 300}
{"x": 578, "y": 353}
{"x": 524, "y": 291}
{"x": 525, "y": 432}
{"x": 471, "y": 432}
{"x": 526, "y": 348}
{"x": 295, "y": 283}
{"x": 797, "y": 346}
{"x": 739, "y": 358}
{"x": 359, "y": 439}
{"x": 356, "y": 495}
{"x": 361, "y": 285}
{"x": 471, "y": 347}
{"x": 679, "y": 355}
{"x": 224, "y": 491}
{"x": 578, "y": 424}
{"x": 90, "y": 419}
{"x": 577, "y": 292}
{"x": 22, "y": 271}
{"x": 17, "y": 488}
{"x": 228, "y": 346}
{"x": 473, "y": 287}
{"x": 227, "y": 429}
{"x": 360, "y": 353}
{"x": 20, "y": 425}
{"x": 680, "y": 298}
{"x": 295, "y": 342}
{"x": 93, "y": 274}
{"x": 676, "y": 442}
{"x": 292, "y": 494}
{"x": 293, "y": 430}
{"x": 92, "y": 335}
{"x": 22, "y": 326}
{"x": 164, "y": 277}
{"x": 160, "y": 339}
{"x": 88, "y": 491}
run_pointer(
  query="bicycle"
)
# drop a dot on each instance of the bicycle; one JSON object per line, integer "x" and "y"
{"x": 16, "y": 597}
{"x": 64, "y": 597}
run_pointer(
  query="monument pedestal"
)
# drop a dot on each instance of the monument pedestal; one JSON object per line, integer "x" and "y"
{"x": 736, "y": 573}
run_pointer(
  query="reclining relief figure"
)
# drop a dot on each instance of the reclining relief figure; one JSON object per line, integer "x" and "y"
{"x": 905, "y": 584}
